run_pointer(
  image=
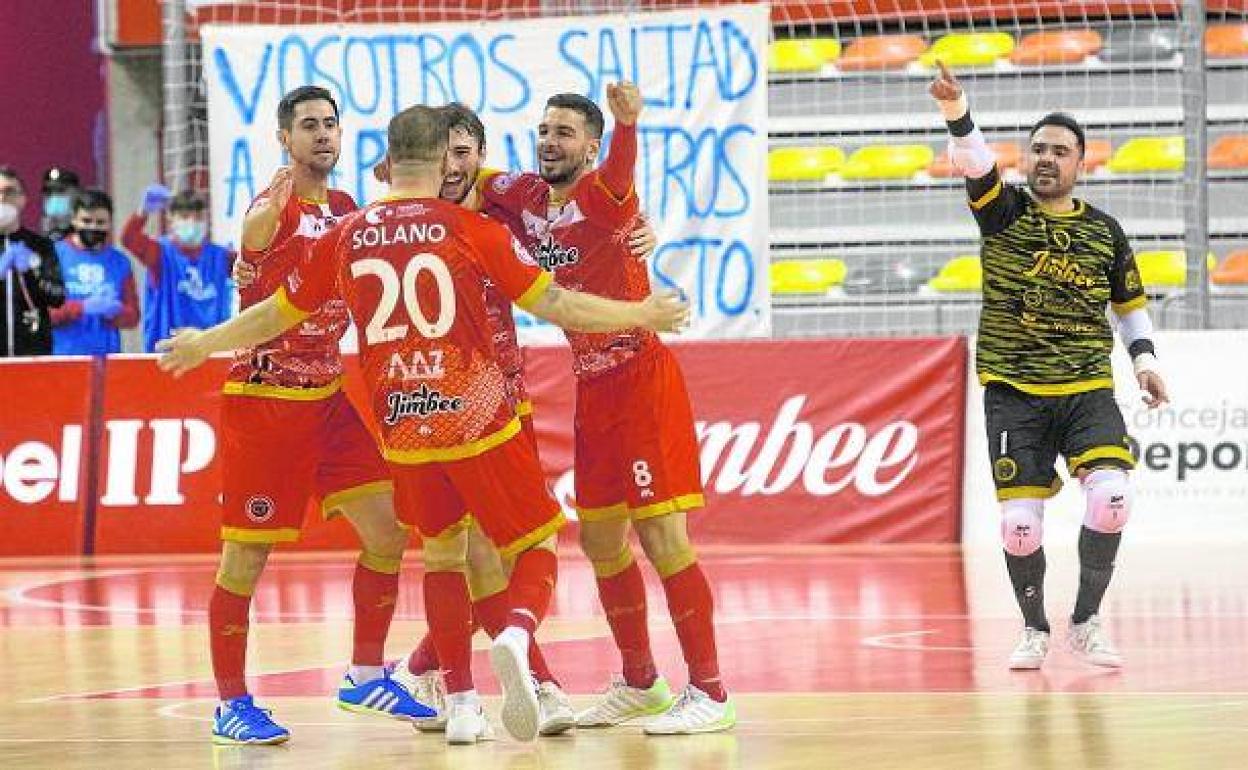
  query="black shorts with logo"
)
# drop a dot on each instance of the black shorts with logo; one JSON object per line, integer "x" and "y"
{"x": 1026, "y": 433}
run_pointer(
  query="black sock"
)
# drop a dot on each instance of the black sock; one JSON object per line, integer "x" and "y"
{"x": 1027, "y": 575}
{"x": 1096, "y": 566}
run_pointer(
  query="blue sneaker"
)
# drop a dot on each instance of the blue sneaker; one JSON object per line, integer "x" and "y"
{"x": 240, "y": 722}
{"x": 382, "y": 696}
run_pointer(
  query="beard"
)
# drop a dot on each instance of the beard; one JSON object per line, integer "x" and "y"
{"x": 562, "y": 174}
{"x": 1046, "y": 187}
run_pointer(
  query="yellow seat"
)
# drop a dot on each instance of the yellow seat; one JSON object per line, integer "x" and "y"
{"x": 1166, "y": 269}
{"x": 806, "y": 55}
{"x": 1148, "y": 153}
{"x": 888, "y": 161}
{"x": 803, "y": 164}
{"x": 806, "y": 276}
{"x": 959, "y": 274}
{"x": 973, "y": 49}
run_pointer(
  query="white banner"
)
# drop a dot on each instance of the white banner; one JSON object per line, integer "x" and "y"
{"x": 701, "y": 172}
{"x": 1191, "y": 481}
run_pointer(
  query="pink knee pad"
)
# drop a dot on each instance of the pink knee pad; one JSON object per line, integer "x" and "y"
{"x": 1022, "y": 526}
{"x": 1109, "y": 500}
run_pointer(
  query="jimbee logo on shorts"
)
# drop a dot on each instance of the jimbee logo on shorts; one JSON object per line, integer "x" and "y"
{"x": 260, "y": 508}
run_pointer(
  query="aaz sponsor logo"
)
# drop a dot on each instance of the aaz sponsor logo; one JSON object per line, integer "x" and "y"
{"x": 551, "y": 256}
{"x": 422, "y": 402}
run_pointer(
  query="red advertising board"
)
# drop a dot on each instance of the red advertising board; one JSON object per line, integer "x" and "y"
{"x": 43, "y": 452}
{"x": 829, "y": 441}
{"x": 821, "y": 441}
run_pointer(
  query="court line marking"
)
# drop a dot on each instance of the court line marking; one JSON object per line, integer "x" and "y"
{"x": 885, "y": 642}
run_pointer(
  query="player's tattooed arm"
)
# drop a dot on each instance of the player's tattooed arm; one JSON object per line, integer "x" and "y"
{"x": 262, "y": 222}
{"x": 189, "y": 348}
{"x": 577, "y": 311}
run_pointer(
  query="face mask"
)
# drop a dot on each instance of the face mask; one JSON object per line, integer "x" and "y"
{"x": 8, "y": 217}
{"x": 56, "y": 206}
{"x": 92, "y": 238}
{"x": 189, "y": 232}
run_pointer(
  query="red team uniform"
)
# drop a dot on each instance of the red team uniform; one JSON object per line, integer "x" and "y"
{"x": 636, "y": 451}
{"x": 287, "y": 427}
{"x": 412, "y": 273}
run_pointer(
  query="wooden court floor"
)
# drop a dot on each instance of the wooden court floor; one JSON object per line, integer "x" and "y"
{"x": 838, "y": 658}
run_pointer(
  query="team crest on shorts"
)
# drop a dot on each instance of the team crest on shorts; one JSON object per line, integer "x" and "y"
{"x": 1005, "y": 469}
{"x": 260, "y": 508}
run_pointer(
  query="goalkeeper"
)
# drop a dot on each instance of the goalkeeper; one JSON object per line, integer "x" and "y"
{"x": 1052, "y": 264}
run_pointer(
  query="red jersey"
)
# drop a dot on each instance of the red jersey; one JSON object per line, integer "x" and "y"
{"x": 412, "y": 271}
{"x": 506, "y": 345}
{"x": 303, "y": 363}
{"x": 584, "y": 242}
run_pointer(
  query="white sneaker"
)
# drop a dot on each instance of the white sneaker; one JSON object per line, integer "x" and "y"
{"x": 1031, "y": 650}
{"x": 1089, "y": 643}
{"x": 555, "y": 710}
{"x": 430, "y": 689}
{"x": 466, "y": 724}
{"x": 694, "y": 712}
{"x": 509, "y": 657}
{"x": 623, "y": 703}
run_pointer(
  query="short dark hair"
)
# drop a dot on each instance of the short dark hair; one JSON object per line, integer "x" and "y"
{"x": 188, "y": 201}
{"x": 418, "y": 134}
{"x": 286, "y": 107}
{"x": 11, "y": 174}
{"x": 1062, "y": 120}
{"x": 88, "y": 200}
{"x": 58, "y": 179}
{"x": 459, "y": 117}
{"x": 577, "y": 103}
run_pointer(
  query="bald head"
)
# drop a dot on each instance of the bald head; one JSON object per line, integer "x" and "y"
{"x": 418, "y": 135}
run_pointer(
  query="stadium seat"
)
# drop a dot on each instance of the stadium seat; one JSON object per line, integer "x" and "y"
{"x": 973, "y": 49}
{"x": 1226, "y": 41}
{"x": 1233, "y": 271}
{"x": 806, "y": 276}
{"x": 1165, "y": 269}
{"x": 1009, "y": 155}
{"x": 1096, "y": 153}
{"x": 1229, "y": 152}
{"x": 805, "y": 55}
{"x": 881, "y": 52}
{"x": 803, "y": 164}
{"x": 887, "y": 161}
{"x": 1139, "y": 44}
{"x": 886, "y": 276}
{"x": 1068, "y": 46}
{"x": 960, "y": 274}
{"x": 1148, "y": 153}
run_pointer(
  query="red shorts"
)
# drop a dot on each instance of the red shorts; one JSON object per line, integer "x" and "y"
{"x": 636, "y": 449}
{"x": 502, "y": 488}
{"x": 276, "y": 453}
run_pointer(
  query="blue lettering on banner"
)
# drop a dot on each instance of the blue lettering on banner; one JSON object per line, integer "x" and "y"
{"x": 720, "y": 267}
{"x": 697, "y": 160}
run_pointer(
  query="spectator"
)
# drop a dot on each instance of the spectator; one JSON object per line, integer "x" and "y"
{"x": 188, "y": 276}
{"x": 99, "y": 285}
{"x": 30, "y": 276}
{"x": 60, "y": 187}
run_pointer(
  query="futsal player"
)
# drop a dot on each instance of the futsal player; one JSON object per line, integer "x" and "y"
{"x": 1052, "y": 265}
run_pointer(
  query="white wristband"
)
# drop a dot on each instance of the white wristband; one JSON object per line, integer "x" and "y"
{"x": 954, "y": 109}
{"x": 1145, "y": 362}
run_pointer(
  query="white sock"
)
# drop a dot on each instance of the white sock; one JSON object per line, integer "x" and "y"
{"x": 465, "y": 698}
{"x": 362, "y": 674}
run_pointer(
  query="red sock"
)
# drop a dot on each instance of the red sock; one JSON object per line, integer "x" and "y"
{"x": 493, "y": 612}
{"x": 227, "y": 632}
{"x": 623, "y": 598}
{"x": 449, "y": 613}
{"x": 692, "y": 608}
{"x": 532, "y": 583}
{"x": 375, "y": 595}
{"x": 424, "y": 658}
